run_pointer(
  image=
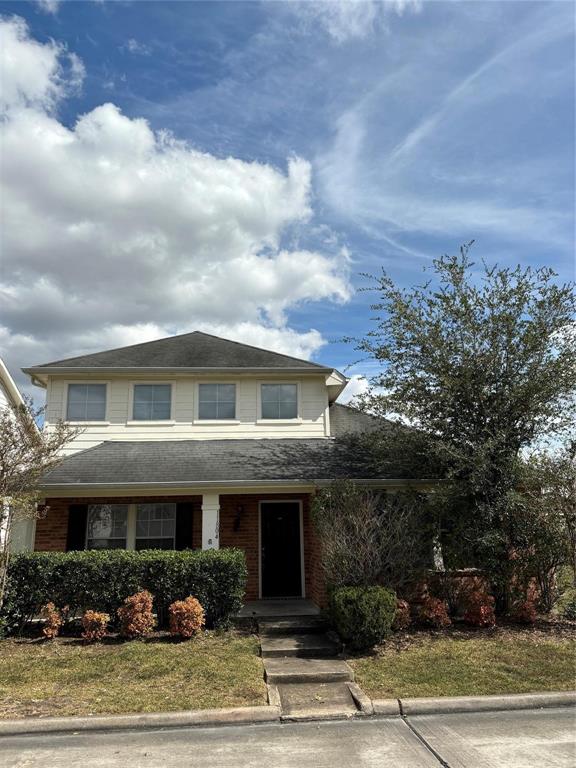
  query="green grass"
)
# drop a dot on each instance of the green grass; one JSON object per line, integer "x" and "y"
{"x": 468, "y": 664}
{"x": 64, "y": 677}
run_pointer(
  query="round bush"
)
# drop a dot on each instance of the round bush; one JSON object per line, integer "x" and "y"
{"x": 94, "y": 626}
{"x": 362, "y": 616}
{"x": 186, "y": 617}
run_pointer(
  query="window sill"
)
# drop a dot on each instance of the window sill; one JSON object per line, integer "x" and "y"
{"x": 89, "y": 423}
{"x": 279, "y": 421}
{"x": 215, "y": 422}
{"x": 150, "y": 423}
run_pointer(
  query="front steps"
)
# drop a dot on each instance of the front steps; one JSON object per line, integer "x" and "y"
{"x": 304, "y": 677}
{"x": 298, "y": 645}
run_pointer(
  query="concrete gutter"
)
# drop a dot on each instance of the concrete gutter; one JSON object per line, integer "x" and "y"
{"x": 203, "y": 717}
{"x": 452, "y": 704}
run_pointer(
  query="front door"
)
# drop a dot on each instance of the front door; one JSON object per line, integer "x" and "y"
{"x": 281, "y": 556}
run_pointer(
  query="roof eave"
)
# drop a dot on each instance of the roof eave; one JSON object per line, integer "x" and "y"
{"x": 53, "y": 489}
{"x": 53, "y": 370}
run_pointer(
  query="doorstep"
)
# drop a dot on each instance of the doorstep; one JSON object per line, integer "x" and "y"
{"x": 256, "y": 609}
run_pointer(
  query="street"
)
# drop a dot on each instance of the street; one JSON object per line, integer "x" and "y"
{"x": 520, "y": 739}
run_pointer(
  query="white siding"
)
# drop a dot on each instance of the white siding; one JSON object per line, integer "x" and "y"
{"x": 313, "y": 406}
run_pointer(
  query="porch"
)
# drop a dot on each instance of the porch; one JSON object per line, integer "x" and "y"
{"x": 274, "y": 530}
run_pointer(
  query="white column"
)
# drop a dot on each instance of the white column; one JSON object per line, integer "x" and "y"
{"x": 210, "y": 521}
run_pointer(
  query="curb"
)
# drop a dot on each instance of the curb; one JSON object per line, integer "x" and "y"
{"x": 454, "y": 704}
{"x": 202, "y": 717}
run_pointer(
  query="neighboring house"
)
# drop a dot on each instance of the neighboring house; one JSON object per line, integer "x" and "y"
{"x": 198, "y": 442}
{"x": 22, "y": 533}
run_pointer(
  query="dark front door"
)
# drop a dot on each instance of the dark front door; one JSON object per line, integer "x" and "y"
{"x": 281, "y": 555}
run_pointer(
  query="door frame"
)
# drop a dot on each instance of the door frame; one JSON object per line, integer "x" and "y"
{"x": 301, "y": 518}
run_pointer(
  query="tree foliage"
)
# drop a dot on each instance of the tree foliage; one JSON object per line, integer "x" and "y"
{"x": 26, "y": 454}
{"x": 480, "y": 362}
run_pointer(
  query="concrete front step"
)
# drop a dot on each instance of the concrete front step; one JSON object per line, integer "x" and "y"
{"x": 302, "y": 701}
{"x": 303, "y": 646}
{"x": 293, "y": 625}
{"x": 297, "y": 670}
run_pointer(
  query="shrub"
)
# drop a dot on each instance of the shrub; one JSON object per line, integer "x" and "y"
{"x": 186, "y": 617}
{"x": 369, "y": 538}
{"x": 524, "y": 612}
{"x": 52, "y": 621}
{"x": 136, "y": 617}
{"x": 94, "y": 626}
{"x": 480, "y": 609}
{"x": 402, "y": 617}
{"x": 362, "y": 616}
{"x": 569, "y": 610}
{"x": 102, "y": 580}
{"x": 434, "y": 613}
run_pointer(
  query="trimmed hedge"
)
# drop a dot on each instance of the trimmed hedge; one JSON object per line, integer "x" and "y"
{"x": 362, "y": 616}
{"x": 102, "y": 580}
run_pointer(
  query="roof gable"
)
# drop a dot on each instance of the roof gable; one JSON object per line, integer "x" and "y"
{"x": 189, "y": 350}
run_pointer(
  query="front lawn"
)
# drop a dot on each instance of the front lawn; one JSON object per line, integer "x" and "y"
{"x": 64, "y": 677}
{"x": 470, "y": 663}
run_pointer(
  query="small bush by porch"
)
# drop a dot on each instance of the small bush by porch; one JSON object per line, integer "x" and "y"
{"x": 63, "y": 677}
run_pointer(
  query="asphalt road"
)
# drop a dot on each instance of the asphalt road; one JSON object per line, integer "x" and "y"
{"x": 526, "y": 739}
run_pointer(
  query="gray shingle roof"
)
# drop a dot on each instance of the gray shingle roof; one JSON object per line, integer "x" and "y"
{"x": 208, "y": 461}
{"x": 189, "y": 350}
{"x": 345, "y": 420}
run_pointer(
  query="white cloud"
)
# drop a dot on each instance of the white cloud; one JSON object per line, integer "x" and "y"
{"x": 134, "y": 46}
{"x": 34, "y": 74}
{"x": 113, "y": 233}
{"x": 391, "y": 174}
{"x": 356, "y": 386}
{"x": 49, "y": 6}
{"x": 347, "y": 20}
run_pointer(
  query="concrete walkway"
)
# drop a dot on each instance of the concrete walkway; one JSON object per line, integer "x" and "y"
{"x": 303, "y": 676}
{"x": 518, "y": 739}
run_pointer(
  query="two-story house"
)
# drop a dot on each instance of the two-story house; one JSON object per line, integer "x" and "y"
{"x": 195, "y": 441}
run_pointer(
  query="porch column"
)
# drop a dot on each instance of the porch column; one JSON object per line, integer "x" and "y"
{"x": 210, "y": 521}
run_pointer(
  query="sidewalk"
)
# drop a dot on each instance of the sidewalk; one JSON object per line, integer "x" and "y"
{"x": 515, "y": 739}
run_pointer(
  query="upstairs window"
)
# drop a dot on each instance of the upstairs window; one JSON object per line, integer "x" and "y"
{"x": 217, "y": 401}
{"x": 107, "y": 526}
{"x": 86, "y": 402}
{"x": 152, "y": 402}
{"x": 279, "y": 401}
{"x": 155, "y": 526}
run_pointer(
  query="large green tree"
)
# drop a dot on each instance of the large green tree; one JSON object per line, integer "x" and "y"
{"x": 480, "y": 361}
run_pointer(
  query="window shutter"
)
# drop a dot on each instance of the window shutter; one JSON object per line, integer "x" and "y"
{"x": 77, "y": 520}
{"x": 184, "y": 516}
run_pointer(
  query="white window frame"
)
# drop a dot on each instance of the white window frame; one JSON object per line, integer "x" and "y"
{"x": 131, "y": 518}
{"x": 214, "y": 422}
{"x": 297, "y": 420}
{"x": 132, "y": 422}
{"x": 100, "y": 422}
{"x": 135, "y": 522}
{"x": 114, "y": 504}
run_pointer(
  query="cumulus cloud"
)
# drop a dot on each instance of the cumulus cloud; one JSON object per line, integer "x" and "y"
{"x": 114, "y": 233}
{"x": 345, "y": 20}
{"x": 357, "y": 385}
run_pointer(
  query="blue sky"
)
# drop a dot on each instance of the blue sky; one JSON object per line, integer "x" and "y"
{"x": 414, "y": 127}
